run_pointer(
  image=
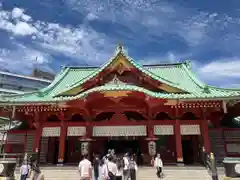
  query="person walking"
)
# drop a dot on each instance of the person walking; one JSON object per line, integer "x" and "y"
{"x": 126, "y": 167}
{"x": 119, "y": 174}
{"x": 24, "y": 170}
{"x": 103, "y": 172}
{"x": 36, "y": 173}
{"x": 85, "y": 168}
{"x": 133, "y": 168}
{"x": 158, "y": 164}
{"x": 112, "y": 169}
{"x": 96, "y": 163}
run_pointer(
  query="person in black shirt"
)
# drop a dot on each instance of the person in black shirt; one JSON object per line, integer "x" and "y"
{"x": 96, "y": 163}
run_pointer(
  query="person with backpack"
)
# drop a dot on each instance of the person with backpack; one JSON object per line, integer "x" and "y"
{"x": 133, "y": 168}
{"x": 112, "y": 169}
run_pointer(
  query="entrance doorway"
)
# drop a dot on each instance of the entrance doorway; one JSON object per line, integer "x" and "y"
{"x": 190, "y": 149}
{"x": 126, "y": 146}
{"x": 55, "y": 161}
{"x": 123, "y": 146}
{"x": 188, "y": 152}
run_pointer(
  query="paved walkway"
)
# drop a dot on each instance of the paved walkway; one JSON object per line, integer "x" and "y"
{"x": 144, "y": 173}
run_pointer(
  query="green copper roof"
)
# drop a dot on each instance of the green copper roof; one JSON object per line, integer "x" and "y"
{"x": 177, "y": 75}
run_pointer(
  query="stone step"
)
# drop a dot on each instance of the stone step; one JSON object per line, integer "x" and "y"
{"x": 144, "y": 173}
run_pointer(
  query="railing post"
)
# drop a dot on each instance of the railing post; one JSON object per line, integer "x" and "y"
{"x": 213, "y": 167}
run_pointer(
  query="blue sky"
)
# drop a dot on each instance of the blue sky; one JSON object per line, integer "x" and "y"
{"x": 85, "y": 32}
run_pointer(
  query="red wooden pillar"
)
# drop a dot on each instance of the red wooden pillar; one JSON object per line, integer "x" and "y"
{"x": 62, "y": 140}
{"x": 37, "y": 137}
{"x": 205, "y": 133}
{"x": 178, "y": 136}
{"x": 25, "y": 142}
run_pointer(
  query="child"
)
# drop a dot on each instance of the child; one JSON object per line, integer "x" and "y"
{"x": 159, "y": 165}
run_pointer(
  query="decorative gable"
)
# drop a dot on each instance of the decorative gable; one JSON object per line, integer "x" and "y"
{"x": 119, "y": 65}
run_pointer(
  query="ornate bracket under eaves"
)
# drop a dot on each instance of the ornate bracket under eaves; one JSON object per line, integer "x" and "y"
{"x": 233, "y": 102}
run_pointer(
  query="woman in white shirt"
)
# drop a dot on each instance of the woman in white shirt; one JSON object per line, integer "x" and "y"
{"x": 24, "y": 170}
{"x": 159, "y": 165}
{"x": 103, "y": 172}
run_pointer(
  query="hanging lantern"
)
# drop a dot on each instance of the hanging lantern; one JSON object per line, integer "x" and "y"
{"x": 84, "y": 148}
{"x": 152, "y": 148}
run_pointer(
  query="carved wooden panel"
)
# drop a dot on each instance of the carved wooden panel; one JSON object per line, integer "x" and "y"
{"x": 190, "y": 129}
{"x": 76, "y": 131}
{"x": 51, "y": 131}
{"x": 163, "y": 130}
{"x": 109, "y": 131}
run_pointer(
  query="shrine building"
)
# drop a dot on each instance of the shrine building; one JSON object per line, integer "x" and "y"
{"x": 121, "y": 105}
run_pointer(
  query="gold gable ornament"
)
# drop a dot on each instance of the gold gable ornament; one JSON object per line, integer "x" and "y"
{"x": 116, "y": 81}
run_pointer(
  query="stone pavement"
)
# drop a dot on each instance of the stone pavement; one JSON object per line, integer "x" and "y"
{"x": 144, "y": 173}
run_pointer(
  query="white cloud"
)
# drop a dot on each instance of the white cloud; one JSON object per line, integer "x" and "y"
{"x": 23, "y": 59}
{"x": 222, "y": 68}
{"x": 16, "y": 22}
{"x": 144, "y": 18}
{"x": 17, "y": 13}
{"x": 158, "y": 17}
{"x": 169, "y": 57}
{"x": 91, "y": 16}
{"x": 222, "y": 72}
{"x": 82, "y": 43}
{"x": 150, "y": 18}
{"x": 23, "y": 29}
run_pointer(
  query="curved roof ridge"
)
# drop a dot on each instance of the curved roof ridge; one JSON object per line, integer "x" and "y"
{"x": 193, "y": 76}
{"x": 18, "y": 95}
{"x": 56, "y": 81}
{"x": 83, "y": 67}
{"x": 220, "y": 88}
{"x": 163, "y": 64}
{"x": 144, "y": 65}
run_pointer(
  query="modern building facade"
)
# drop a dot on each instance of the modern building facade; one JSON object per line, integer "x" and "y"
{"x": 125, "y": 106}
{"x": 11, "y": 83}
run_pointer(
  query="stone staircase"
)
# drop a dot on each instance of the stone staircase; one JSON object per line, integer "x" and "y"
{"x": 144, "y": 173}
{"x": 217, "y": 145}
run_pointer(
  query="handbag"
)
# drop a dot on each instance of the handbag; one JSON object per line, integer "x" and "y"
{"x": 110, "y": 174}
